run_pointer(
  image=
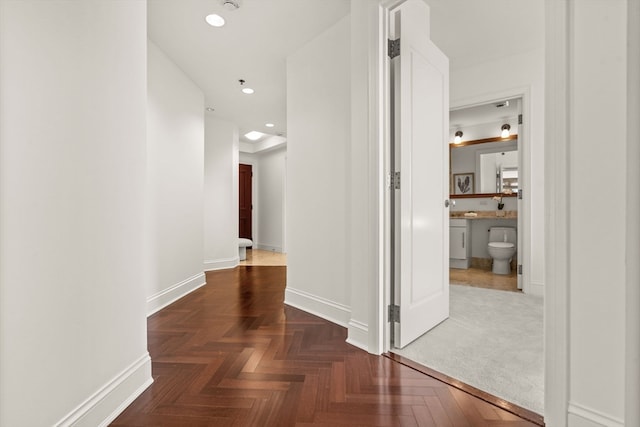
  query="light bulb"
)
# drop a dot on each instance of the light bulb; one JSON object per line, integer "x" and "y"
{"x": 458, "y": 137}
{"x": 505, "y": 131}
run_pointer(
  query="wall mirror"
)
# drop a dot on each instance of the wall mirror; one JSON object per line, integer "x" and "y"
{"x": 484, "y": 167}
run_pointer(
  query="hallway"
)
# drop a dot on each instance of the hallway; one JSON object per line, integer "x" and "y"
{"x": 231, "y": 353}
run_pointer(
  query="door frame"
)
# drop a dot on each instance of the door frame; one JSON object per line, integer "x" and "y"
{"x": 524, "y": 174}
{"x": 385, "y": 236}
{"x": 554, "y": 343}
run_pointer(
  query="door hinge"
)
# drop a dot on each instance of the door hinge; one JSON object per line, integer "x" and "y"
{"x": 394, "y": 313}
{"x": 519, "y": 119}
{"x": 520, "y": 193}
{"x": 396, "y": 180}
{"x": 520, "y": 269}
{"x": 393, "y": 180}
{"x": 393, "y": 48}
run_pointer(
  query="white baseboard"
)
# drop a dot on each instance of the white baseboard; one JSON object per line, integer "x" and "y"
{"x": 583, "y": 416}
{"x": 358, "y": 334}
{"x": 173, "y": 293}
{"x": 269, "y": 248}
{"x": 536, "y": 289}
{"x": 329, "y": 310}
{"x": 221, "y": 264}
{"x": 110, "y": 400}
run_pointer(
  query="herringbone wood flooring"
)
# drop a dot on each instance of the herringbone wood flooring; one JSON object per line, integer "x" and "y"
{"x": 232, "y": 354}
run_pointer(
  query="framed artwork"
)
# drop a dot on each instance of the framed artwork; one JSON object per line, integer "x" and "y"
{"x": 464, "y": 183}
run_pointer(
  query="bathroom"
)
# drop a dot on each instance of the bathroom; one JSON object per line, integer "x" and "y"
{"x": 485, "y": 190}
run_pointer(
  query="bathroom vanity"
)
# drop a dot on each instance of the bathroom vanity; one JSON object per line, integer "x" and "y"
{"x": 459, "y": 243}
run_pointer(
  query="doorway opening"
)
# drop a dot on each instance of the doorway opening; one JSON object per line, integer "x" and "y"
{"x": 460, "y": 333}
{"x": 492, "y": 343}
{"x": 245, "y": 202}
{"x": 486, "y": 146}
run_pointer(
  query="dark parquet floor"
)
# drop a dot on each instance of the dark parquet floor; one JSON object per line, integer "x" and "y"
{"x": 232, "y": 354}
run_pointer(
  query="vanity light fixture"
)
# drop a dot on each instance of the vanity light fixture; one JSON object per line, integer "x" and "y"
{"x": 458, "y": 137}
{"x": 214, "y": 20}
{"x": 505, "y": 131}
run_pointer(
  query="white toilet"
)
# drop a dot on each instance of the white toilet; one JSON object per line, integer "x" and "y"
{"x": 502, "y": 248}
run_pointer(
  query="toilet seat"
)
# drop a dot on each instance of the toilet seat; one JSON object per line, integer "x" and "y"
{"x": 501, "y": 245}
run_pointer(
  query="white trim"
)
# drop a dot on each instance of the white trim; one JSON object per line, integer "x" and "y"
{"x": 101, "y": 408}
{"x": 582, "y": 413}
{"x": 536, "y": 289}
{"x": 556, "y": 151}
{"x": 358, "y": 334}
{"x": 173, "y": 293}
{"x": 221, "y": 264}
{"x": 329, "y": 310}
{"x": 269, "y": 248}
{"x": 632, "y": 343}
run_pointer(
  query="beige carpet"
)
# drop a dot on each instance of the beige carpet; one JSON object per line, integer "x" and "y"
{"x": 493, "y": 340}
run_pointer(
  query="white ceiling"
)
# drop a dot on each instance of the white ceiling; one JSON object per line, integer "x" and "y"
{"x": 253, "y": 45}
{"x": 485, "y": 113}
{"x": 258, "y": 37}
{"x": 474, "y": 31}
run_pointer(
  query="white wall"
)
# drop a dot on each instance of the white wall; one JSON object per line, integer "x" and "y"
{"x": 507, "y": 76}
{"x": 597, "y": 276}
{"x": 220, "y": 194}
{"x": 72, "y": 210}
{"x": 271, "y": 188}
{"x": 592, "y": 334}
{"x": 318, "y": 134}
{"x": 175, "y": 162}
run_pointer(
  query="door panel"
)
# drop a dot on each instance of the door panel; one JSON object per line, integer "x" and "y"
{"x": 422, "y": 124}
{"x": 245, "y": 202}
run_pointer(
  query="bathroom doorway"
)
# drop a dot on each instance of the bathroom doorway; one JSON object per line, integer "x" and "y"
{"x": 486, "y": 151}
{"x": 492, "y": 343}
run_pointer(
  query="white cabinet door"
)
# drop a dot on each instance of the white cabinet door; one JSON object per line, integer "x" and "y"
{"x": 458, "y": 242}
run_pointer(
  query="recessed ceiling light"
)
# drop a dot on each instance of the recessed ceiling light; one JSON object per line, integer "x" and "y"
{"x": 247, "y": 90}
{"x": 254, "y": 135}
{"x": 215, "y": 20}
{"x": 269, "y": 125}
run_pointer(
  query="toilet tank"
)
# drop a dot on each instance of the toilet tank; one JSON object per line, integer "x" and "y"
{"x": 497, "y": 234}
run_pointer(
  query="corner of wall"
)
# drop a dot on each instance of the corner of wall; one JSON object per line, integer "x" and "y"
{"x": 101, "y": 408}
{"x": 221, "y": 264}
{"x": 329, "y": 310}
{"x": 173, "y": 293}
{"x": 358, "y": 334}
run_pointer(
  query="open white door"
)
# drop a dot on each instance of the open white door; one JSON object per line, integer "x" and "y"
{"x": 421, "y": 127}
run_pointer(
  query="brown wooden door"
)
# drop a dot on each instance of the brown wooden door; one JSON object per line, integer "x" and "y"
{"x": 245, "y": 204}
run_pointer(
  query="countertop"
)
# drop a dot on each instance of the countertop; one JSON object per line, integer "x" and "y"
{"x": 484, "y": 215}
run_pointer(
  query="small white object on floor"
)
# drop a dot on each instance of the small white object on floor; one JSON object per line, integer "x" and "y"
{"x": 242, "y": 248}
